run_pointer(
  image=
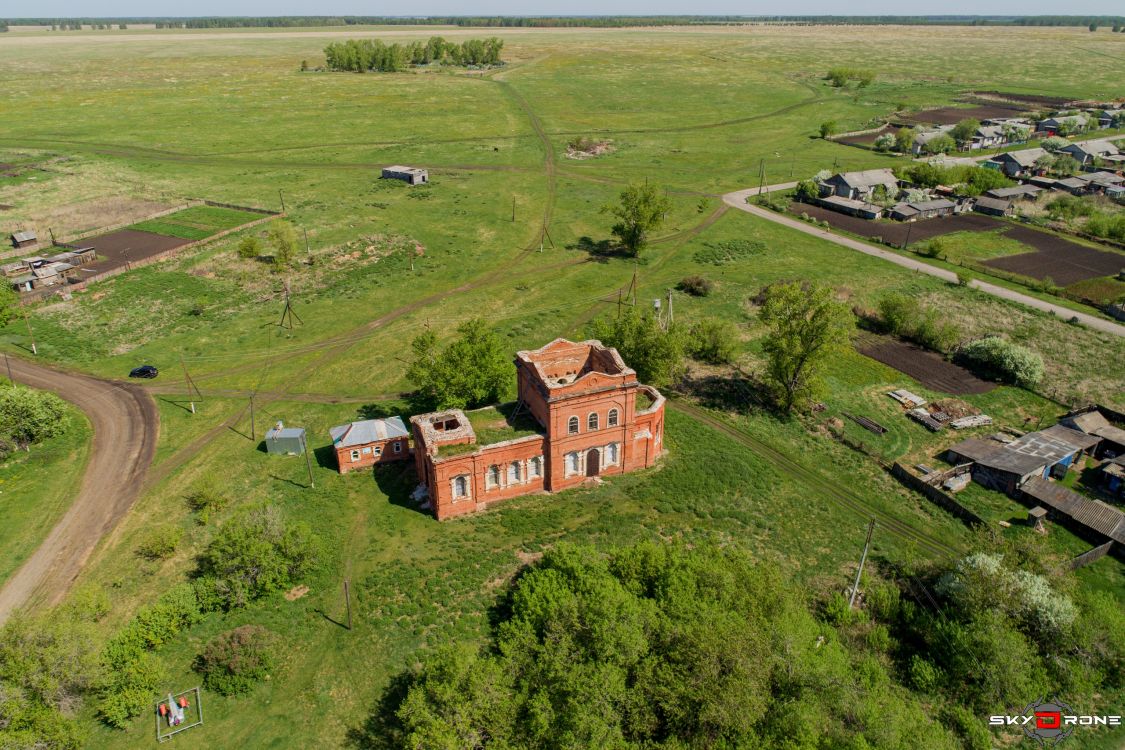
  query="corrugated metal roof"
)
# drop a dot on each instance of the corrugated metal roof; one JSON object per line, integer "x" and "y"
{"x": 368, "y": 431}
{"x": 25, "y": 236}
{"x": 1093, "y": 514}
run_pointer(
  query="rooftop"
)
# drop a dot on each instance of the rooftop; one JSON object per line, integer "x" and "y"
{"x": 868, "y": 178}
{"x": 562, "y": 362}
{"x": 487, "y": 426}
{"x": 368, "y": 431}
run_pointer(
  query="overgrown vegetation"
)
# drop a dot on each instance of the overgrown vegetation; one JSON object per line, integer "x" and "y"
{"x": 841, "y": 77}
{"x": 640, "y": 209}
{"x": 28, "y": 416}
{"x": 1002, "y": 359}
{"x": 472, "y": 370}
{"x": 655, "y": 352}
{"x": 363, "y": 55}
{"x": 232, "y": 662}
{"x": 904, "y": 316}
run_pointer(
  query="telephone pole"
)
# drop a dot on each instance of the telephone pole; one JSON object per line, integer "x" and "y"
{"x": 761, "y": 176}
{"x": 348, "y": 602}
{"x": 282, "y": 197}
{"x": 671, "y": 316}
{"x": 862, "y": 560}
{"x": 30, "y": 334}
{"x": 253, "y": 434}
{"x": 288, "y": 314}
{"x": 190, "y": 385}
{"x": 8, "y": 362}
{"x": 308, "y": 461}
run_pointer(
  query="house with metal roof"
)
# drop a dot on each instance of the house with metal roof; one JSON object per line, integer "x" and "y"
{"x": 992, "y": 206}
{"x": 1086, "y": 152}
{"x": 1007, "y": 466}
{"x": 862, "y": 209}
{"x": 370, "y": 442}
{"x": 861, "y": 185}
{"x": 922, "y": 209}
{"x": 1016, "y": 192}
{"x": 1017, "y": 163}
{"x": 1064, "y": 123}
{"x": 1092, "y": 422}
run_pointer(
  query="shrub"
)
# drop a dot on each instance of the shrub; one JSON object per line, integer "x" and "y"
{"x": 257, "y": 553}
{"x": 713, "y": 341}
{"x": 924, "y": 675}
{"x": 206, "y": 501}
{"x": 885, "y": 142}
{"x": 1003, "y": 359}
{"x": 161, "y": 543}
{"x": 899, "y": 313}
{"x": 933, "y": 248}
{"x": 250, "y": 247}
{"x": 28, "y": 416}
{"x": 696, "y": 286}
{"x": 233, "y": 661}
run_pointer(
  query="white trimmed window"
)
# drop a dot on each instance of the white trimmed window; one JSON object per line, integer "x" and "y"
{"x": 572, "y": 426}
{"x": 367, "y": 450}
{"x": 535, "y": 468}
{"x": 460, "y": 487}
{"x": 398, "y": 447}
{"x": 514, "y": 472}
{"x": 611, "y": 454}
{"x": 355, "y": 454}
{"x": 592, "y": 421}
{"x": 573, "y": 463}
{"x": 612, "y": 417}
{"x": 378, "y": 450}
{"x": 492, "y": 477}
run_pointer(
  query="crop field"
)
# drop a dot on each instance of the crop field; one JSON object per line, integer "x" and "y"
{"x": 510, "y": 230}
{"x": 928, "y": 368}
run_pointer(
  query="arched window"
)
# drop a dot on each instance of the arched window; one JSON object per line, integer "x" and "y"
{"x": 611, "y": 418}
{"x": 572, "y": 426}
{"x": 572, "y": 463}
{"x": 611, "y": 454}
{"x": 460, "y": 487}
{"x": 592, "y": 421}
{"x": 513, "y": 472}
{"x": 535, "y": 467}
{"x": 493, "y": 477}
{"x": 355, "y": 455}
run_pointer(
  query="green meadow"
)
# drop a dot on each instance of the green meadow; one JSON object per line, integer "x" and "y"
{"x": 510, "y": 229}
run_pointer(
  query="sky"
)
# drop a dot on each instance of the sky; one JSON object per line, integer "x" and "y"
{"x": 103, "y": 8}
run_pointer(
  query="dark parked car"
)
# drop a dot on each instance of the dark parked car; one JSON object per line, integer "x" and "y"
{"x": 144, "y": 371}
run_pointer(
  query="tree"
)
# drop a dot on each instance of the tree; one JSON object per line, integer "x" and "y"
{"x": 904, "y": 139}
{"x": 1065, "y": 164}
{"x": 964, "y": 131}
{"x": 807, "y": 191}
{"x": 943, "y": 144}
{"x": 473, "y": 370}
{"x": 640, "y": 210}
{"x": 257, "y": 553}
{"x": 283, "y": 240}
{"x": 828, "y": 128}
{"x": 806, "y": 327}
{"x": 9, "y": 304}
{"x": 1093, "y": 26}
{"x": 1054, "y": 143}
{"x": 657, "y": 354}
{"x": 885, "y": 142}
{"x": 28, "y": 416}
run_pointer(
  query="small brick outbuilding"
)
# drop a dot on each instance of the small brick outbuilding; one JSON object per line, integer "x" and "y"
{"x": 372, "y": 441}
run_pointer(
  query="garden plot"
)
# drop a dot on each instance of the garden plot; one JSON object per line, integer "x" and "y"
{"x": 928, "y": 368}
{"x": 1061, "y": 260}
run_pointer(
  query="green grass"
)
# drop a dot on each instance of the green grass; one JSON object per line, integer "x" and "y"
{"x": 977, "y": 246}
{"x": 197, "y": 222}
{"x": 37, "y": 487}
{"x": 696, "y": 111}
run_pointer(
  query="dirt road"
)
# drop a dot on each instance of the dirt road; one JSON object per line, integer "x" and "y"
{"x": 126, "y": 425}
{"x": 738, "y": 200}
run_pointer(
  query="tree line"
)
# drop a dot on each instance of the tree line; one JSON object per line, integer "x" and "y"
{"x": 361, "y": 55}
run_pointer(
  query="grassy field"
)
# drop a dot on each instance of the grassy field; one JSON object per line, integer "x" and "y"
{"x": 197, "y": 222}
{"x": 698, "y": 111}
{"x": 35, "y": 488}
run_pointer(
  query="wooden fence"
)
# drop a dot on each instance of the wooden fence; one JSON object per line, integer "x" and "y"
{"x": 1089, "y": 556}
{"x": 935, "y": 494}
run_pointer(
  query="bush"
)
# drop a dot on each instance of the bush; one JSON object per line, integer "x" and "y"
{"x": 29, "y": 416}
{"x": 206, "y": 501}
{"x": 696, "y": 286}
{"x": 161, "y": 543}
{"x": 250, "y": 247}
{"x": 713, "y": 341}
{"x": 233, "y": 661}
{"x": 1003, "y": 359}
{"x": 257, "y": 553}
{"x": 924, "y": 676}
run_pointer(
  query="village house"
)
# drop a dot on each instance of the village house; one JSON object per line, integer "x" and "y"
{"x": 581, "y": 414}
{"x": 372, "y": 441}
{"x": 1113, "y": 477}
{"x": 862, "y": 209}
{"x": 25, "y": 238}
{"x": 410, "y": 175}
{"x": 1107, "y": 118}
{"x": 1017, "y": 163}
{"x": 860, "y": 185}
{"x": 988, "y": 136}
{"x": 923, "y": 209}
{"x": 1065, "y": 124}
{"x": 1007, "y": 466}
{"x": 1016, "y": 192}
{"x": 1101, "y": 182}
{"x": 992, "y": 206}
{"x": 923, "y": 139}
{"x": 1092, "y": 422}
{"x": 36, "y": 272}
{"x": 1085, "y": 153}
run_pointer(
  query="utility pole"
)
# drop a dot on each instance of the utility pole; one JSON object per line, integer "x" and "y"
{"x": 31, "y": 335}
{"x": 671, "y": 316}
{"x": 792, "y": 166}
{"x": 51, "y": 232}
{"x": 761, "y": 176}
{"x": 288, "y": 314}
{"x": 253, "y": 434}
{"x": 909, "y": 226}
{"x": 618, "y": 305}
{"x": 8, "y": 362}
{"x": 513, "y": 208}
{"x": 633, "y": 286}
{"x": 282, "y": 197}
{"x": 190, "y": 385}
{"x": 862, "y": 560}
{"x": 308, "y": 461}
{"x": 307, "y": 250}
{"x": 348, "y": 602}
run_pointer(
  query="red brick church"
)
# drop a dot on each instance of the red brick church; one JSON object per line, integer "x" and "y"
{"x": 581, "y": 414}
